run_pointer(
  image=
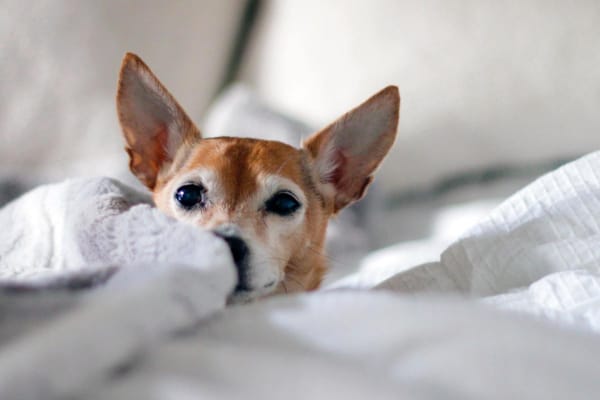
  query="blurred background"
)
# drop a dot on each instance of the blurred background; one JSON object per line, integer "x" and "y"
{"x": 494, "y": 93}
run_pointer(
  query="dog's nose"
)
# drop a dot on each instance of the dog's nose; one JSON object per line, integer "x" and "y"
{"x": 238, "y": 248}
{"x": 240, "y": 252}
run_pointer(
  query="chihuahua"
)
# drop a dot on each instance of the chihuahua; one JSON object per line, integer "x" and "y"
{"x": 269, "y": 201}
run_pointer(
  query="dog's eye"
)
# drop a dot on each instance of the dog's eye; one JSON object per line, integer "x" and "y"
{"x": 282, "y": 203}
{"x": 190, "y": 196}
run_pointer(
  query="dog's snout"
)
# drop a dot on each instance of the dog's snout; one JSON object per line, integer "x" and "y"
{"x": 240, "y": 252}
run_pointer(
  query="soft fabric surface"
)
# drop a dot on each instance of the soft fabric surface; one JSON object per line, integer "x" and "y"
{"x": 538, "y": 252}
{"x": 84, "y": 224}
{"x": 351, "y": 345}
{"x": 361, "y": 346}
{"x": 153, "y": 332}
{"x": 162, "y": 276}
{"x": 55, "y": 344}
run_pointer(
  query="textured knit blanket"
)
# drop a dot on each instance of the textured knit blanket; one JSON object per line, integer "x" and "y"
{"x": 148, "y": 276}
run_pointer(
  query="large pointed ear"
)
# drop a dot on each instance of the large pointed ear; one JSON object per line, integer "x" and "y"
{"x": 347, "y": 152}
{"x": 155, "y": 127}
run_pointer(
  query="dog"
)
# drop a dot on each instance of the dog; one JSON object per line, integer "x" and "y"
{"x": 269, "y": 201}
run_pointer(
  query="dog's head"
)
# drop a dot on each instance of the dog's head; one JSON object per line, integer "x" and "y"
{"x": 268, "y": 200}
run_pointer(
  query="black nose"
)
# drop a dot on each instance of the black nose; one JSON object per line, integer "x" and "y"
{"x": 238, "y": 248}
{"x": 239, "y": 251}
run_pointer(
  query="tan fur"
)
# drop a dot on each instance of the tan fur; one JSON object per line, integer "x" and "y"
{"x": 239, "y": 179}
{"x": 332, "y": 169}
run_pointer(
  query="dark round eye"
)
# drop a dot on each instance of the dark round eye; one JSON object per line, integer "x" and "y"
{"x": 282, "y": 203}
{"x": 190, "y": 195}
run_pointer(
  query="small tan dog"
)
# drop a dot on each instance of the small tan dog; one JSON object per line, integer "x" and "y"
{"x": 271, "y": 202}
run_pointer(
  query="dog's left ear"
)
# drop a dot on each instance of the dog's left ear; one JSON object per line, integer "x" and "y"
{"x": 155, "y": 126}
{"x": 347, "y": 152}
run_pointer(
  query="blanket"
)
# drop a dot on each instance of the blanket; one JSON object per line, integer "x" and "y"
{"x": 538, "y": 252}
{"x": 85, "y": 224}
{"x": 150, "y": 276}
{"x": 165, "y": 334}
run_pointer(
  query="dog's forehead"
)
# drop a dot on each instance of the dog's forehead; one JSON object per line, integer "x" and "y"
{"x": 239, "y": 163}
{"x": 247, "y": 155}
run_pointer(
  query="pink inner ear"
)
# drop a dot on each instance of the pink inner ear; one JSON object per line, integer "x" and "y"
{"x": 350, "y": 185}
{"x": 156, "y": 153}
{"x": 340, "y": 175}
{"x": 339, "y": 163}
{"x": 162, "y": 142}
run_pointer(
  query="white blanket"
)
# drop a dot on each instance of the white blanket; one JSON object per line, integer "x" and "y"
{"x": 162, "y": 276}
{"x": 78, "y": 225}
{"x": 536, "y": 253}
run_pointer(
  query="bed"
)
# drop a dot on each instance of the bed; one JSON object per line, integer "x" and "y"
{"x": 509, "y": 310}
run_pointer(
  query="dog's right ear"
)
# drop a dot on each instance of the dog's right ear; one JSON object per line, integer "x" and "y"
{"x": 347, "y": 152}
{"x": 154, "y": 125}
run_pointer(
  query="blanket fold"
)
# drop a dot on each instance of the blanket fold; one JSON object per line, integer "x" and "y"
{"x": 149, "y": 276}
{"x": 80, "y": 224}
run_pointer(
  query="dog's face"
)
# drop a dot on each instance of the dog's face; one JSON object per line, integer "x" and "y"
{"x": 269, "y": 201}
{"x": 261, "y": 198}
